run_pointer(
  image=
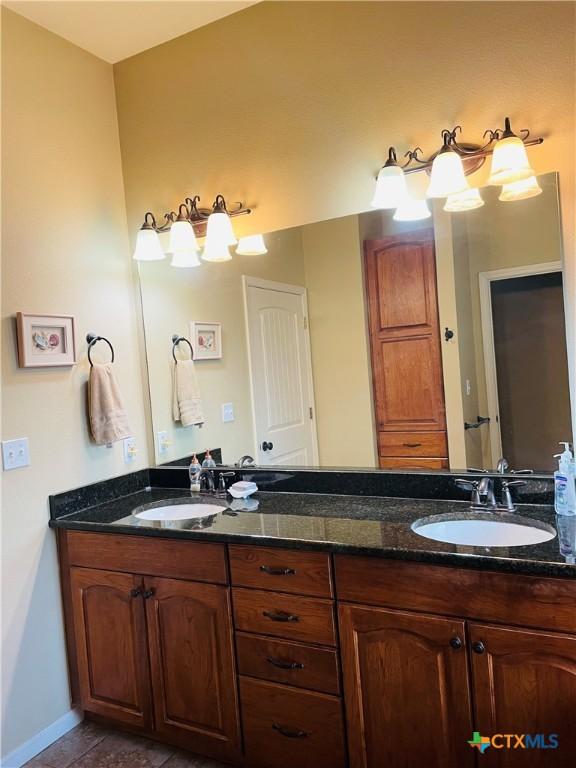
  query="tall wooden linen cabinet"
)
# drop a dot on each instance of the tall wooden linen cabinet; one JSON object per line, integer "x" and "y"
{"x": 408, "y": 387}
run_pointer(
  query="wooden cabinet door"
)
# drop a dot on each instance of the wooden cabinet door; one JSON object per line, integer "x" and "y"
{"x": 110, "y": 633}
{"x": 192, "y": 666}
{"x": 404, "y": 336}
{"x": 525, "y": 683}
{"x": 406, "y": 688}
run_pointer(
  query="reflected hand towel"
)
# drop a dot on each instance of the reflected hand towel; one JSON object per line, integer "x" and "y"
{"x": 108, "y": 419}
{"x": 186, "y": 404}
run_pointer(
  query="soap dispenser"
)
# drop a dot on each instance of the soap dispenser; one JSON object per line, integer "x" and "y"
{"x": 208, "y": 461}
{"x": 565, "y": 483}
{"x": 194, "y": 473}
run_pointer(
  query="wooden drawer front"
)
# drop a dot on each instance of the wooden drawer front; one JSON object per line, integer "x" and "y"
{"x": 529, "y": 601}
{"x": 285, "y": 570}
{"x": 282, "y": 661}
{"x": 409, "y": 462}
{"x": 412, "y": 444}
{"x": 295, "y": 618}
{"x": 288, "y": 728}
{"x": 192, "y": 560}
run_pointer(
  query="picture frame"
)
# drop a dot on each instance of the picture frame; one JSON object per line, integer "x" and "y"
{"x": 206, "y": 340}
{"x": 45, "y": 341}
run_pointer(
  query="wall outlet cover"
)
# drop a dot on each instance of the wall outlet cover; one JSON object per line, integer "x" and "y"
{"x": 227, "y": 412}
{"x": 130, "y": 450}
{"x": 163, "y": 442}
{"x": 15, "y": 453}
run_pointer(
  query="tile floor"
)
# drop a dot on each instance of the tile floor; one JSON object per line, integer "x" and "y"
{"x": 92, "y": 746}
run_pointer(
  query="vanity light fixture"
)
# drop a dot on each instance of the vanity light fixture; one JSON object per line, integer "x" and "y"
{"x": 148, "y": 246}
{"x": 464, "y": 201}
{"x": 509, "y": 160}
{"x": 457, "y": 159}
{"x": 251, "y": 245}
{"x": 189, "y": 222}
{"x": 447, "y": 176}
{"x": 412, "y": 209}
{"x": 520, "y": 190}
{"x": 390, "y": 184}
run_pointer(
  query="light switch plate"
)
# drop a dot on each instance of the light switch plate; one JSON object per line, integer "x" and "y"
{"x": 227, "y": 412}
{"x": 15, "y": 453}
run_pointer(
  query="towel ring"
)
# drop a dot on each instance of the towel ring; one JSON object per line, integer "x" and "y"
{"x": 93, "y": 338}
{"x": 175, "y": 341}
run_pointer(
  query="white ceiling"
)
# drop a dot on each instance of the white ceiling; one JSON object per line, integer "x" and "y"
{"x": 114, "y": 29}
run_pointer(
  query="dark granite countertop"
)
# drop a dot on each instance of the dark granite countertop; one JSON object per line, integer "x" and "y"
{"x": 370, "y": 526}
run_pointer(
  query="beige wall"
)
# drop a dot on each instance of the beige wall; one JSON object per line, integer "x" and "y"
{"x": 64, "y": 250}
{"x": 171, "y": 298}
{"x": 339, "y": 343}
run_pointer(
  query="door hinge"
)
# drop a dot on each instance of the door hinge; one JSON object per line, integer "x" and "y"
{"x": 311, "y": 413}
{"x": 305, "y": 323}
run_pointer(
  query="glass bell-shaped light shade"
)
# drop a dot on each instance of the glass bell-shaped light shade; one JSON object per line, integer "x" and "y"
{"x": 216, "y": 250}
{"x": 509, "y": 160}
{"x": 412, "y": 209}
{"x": 148, "y": 246}
{"x": 464, "y": 201}
{"x": 251, "y": 245}
{"x": 520, "y": 190}
{"x": 183, "y": 238}
{"x": 219, "y": 227}
{"x": 447, "y": 176}
{"x": 390, "y": 185}
{"x": 185, "y": 260}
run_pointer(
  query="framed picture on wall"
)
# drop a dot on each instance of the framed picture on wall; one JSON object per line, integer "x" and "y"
{"x": 45, "y": 341}
{"x": 206, "y": 340}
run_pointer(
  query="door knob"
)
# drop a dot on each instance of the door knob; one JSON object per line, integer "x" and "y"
{"x": 267, "y": 446}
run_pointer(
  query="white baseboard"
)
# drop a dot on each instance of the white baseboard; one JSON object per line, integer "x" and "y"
{"x": 42, "y": 740}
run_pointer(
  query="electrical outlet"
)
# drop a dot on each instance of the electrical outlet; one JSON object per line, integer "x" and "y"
{"x": 468, "y": 387}
{"x": 163, "y": 442}
{"x": 227, "y": 412}
{"x": 130, "y": 449}
{"x": 15, "y": 453}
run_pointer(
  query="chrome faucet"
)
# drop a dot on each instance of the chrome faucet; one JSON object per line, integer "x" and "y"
{"x": 245, "y": 461}
{"x": 206, "y": 480}
{"x": 483, "y": 497}
{"x": 502, "y": 466}
{"x": 486, "y": 491}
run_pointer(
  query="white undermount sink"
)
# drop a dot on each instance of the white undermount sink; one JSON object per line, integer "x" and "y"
{"x": 484, "y": 530}
{"x": 179, "y": 512}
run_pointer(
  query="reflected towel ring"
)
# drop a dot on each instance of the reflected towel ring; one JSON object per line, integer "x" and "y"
{"x": 93, "y": 338}
{"x": 175, "y": 341}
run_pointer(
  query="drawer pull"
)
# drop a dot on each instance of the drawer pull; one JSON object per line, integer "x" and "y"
{"x": 411, "y": 445}
{"x": 284, "y": 664}
{"x": 280, "y": 616}
{"x": 277, "y": 571}
{"x": 288, "y": 732}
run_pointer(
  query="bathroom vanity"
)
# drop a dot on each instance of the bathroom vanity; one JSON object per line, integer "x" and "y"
{"x": 319, "y": 630}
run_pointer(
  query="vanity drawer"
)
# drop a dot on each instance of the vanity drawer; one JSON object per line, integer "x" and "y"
{"x": 412, "y": 444}
{"x": 283, "y": 661}
{"x": 197, "y": 561}
{"x": 409, "y": 462}
{"x": 295, "y": 618}
{"x": 285, "y": 570}
{"x": 287, "y": 728}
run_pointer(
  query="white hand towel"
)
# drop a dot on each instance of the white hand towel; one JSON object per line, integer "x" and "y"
{"x": 108, "y": 419}
{"x": 186, "y": 403}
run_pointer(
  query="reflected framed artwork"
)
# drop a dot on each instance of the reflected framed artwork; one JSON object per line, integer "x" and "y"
{"x": 45, "y": 341}
{"x": 206, "y": 340}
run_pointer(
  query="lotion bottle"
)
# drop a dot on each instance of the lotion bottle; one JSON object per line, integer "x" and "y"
{"x": 194, "y": 473}
{"x": 565, "y": 483}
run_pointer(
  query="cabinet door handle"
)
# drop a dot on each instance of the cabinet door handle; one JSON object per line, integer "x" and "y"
{"x": 280, "y": 616}
{"x": 289, "y": 732}
{"x": 277, "y": 571}
{"x": 284, "y": 664}
{"x": 136, "y": 592}
{"x": 478, "y": 647}
{"x": 148, "y": 593}
{"x": 455, "y": 643}
{"x": 412, "y": 445}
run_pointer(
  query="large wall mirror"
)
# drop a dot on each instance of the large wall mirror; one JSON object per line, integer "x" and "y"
{"x": 365, "y": 342}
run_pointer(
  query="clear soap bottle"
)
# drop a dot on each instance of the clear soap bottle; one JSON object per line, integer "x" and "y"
{"x": 194, "y": 473}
